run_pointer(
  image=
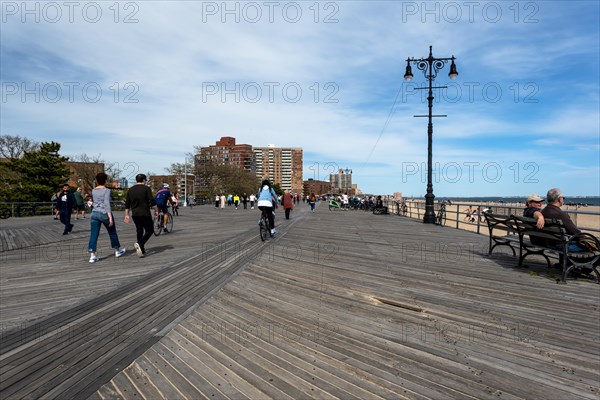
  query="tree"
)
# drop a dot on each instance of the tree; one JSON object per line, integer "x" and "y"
{"x": 12, "y": 147}
{"x": 39, "y": 174}
{"x": 278, "y": 190}
{"x": 225, "y": 179}
{"x": 87, "y": 168}
{"x": 182, "y": 168}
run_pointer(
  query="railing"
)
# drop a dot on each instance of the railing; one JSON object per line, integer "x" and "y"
{"x": 456, "y": 213}
{"x": 28, "y": 209}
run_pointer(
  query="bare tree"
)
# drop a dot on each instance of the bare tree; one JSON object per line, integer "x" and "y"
{"x": 182, "y": 168}
{"x": 15, "y": 146}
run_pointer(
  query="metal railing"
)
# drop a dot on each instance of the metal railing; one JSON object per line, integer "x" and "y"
{"x": 28, "y": 209}
{"x": 456, "y": 213}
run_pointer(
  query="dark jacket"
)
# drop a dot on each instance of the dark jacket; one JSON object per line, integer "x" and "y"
{"x": 139, "y": 200}
{"x": 553, "y": 212}
{"x": 65, "y": 201}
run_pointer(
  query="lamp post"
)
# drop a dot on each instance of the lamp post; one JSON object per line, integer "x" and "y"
{"x": 185, "y": 165}
{"x": 347, "y": 182}
{"x": 185, "y": 182}
{"x": 430, "y": 67}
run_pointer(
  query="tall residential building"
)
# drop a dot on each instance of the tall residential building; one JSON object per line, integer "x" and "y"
{"x": 342, "y": 182}
{"x": 282, "y": 165}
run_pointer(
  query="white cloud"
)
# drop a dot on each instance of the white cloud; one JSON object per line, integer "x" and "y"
{"x": 177, "y": 53}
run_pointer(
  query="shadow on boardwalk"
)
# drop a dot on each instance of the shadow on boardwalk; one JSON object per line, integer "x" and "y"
{"x": 343, "y": 305}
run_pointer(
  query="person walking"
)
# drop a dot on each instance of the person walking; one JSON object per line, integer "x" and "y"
{"x": 65, "y": 203}
{"x": 175, "y": 204}
{"x": 55, "y": 210}
{"x": 80, "y": 205}
{"x": 236, "y": 201}
{"x": 102, "y": 215}
{"x": 252, "y": 200}
{"x": 139, "y": 201}
{"x": 222, "y": 201}
{"x": 312, "y": 200}
{"x": 245, "y": 201}
{"x": 288, "y": 203}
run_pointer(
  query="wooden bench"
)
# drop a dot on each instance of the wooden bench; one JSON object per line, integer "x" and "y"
{"x": 509, "y": 233}
{"x": 552, "y": 241}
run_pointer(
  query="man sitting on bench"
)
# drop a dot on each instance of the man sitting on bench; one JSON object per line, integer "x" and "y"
{"x": 555, "y": 200}
{"x": 533, "y": 209}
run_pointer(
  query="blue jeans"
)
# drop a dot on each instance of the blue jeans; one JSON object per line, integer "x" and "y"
{"x": 96, "y": 221}
{"x": 575, "y": 248}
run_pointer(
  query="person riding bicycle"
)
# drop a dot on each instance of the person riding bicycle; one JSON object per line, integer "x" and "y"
{"x": 267, "y": 201}
{"x": 163, "y": 198}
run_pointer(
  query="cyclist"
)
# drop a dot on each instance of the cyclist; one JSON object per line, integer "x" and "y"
{"x": 163, "y": 198}
{"x": 267, "y": 201}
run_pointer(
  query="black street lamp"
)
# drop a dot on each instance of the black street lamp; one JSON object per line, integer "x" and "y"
{"x": 430, "y": 67}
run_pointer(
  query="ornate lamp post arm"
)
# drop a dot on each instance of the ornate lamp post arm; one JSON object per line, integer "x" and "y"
{"x": 430, "y": 67}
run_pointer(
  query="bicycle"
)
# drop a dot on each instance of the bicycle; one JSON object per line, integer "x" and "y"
{"x": 440, "y": 218}
{"x": 263, "y": 226}
{"x": 159, "y": 223}
{"x": 402, "y": 208}
{"x": 336, "y": 205}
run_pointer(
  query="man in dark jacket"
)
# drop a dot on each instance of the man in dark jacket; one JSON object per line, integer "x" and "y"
{"x": 139, "y": 201}
{"x": 555, "y": 200}
{"x": 65, "y": 203}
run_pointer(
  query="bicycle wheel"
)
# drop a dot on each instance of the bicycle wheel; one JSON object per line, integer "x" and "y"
{"x": 158, "y": 224}
{"x": 262, "y": 229}
{"x": 170, "y": 222}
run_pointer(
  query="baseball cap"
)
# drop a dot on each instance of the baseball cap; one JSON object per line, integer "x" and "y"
{"x": 534, "y": 197}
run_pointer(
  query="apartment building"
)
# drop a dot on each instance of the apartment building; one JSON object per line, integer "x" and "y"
{"x": 224, "y": 152}
{"x": 342, "y": 182}
{"x": 317, "y": 187}
{"x": 282, "y": 165}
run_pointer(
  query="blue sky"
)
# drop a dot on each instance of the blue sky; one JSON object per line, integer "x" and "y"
{"x": 141, "y": 83}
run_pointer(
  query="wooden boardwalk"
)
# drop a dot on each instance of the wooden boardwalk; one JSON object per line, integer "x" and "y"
{"x": 338, "y": 305}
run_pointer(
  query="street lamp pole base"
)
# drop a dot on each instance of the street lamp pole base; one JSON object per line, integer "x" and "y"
{"x": 429, "y": 217}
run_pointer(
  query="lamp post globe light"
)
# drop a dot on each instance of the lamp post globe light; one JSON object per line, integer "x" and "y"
{"x": 430, "y": 67}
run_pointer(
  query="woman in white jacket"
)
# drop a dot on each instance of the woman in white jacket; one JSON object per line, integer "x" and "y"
{"x": 267, "y": 201}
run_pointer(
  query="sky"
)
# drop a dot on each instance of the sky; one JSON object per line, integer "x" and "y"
{"x": 140, "y": 83}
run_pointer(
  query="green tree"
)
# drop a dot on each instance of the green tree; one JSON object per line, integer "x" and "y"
{"x": 37, "y": 174}
{"x": 278, "y": 190}
{"x": 226, "y": 179}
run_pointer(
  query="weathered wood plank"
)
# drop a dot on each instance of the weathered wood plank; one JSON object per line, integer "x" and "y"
{"x": 453, "y": 322}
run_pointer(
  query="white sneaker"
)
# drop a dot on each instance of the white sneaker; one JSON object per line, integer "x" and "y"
{"x": 93, "y": 259}
{"x": 120, "y": 252}
{"x": 138, "y": 250}
{"x": 273, "y": 231}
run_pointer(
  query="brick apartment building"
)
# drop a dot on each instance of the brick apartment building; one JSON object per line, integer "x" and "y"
{"x": 316, "y": 187}
{"x": 281, "y": 166}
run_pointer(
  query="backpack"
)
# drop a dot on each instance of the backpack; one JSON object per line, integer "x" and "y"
{"x": 161, "y": 198}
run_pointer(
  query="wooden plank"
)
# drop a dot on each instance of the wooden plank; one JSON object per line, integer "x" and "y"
{"x": 485, "y": 330}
